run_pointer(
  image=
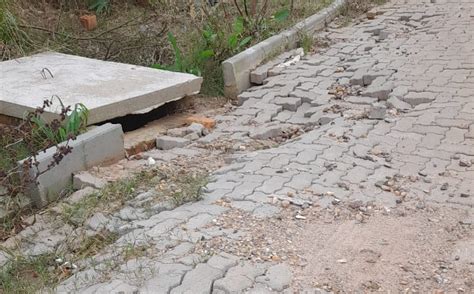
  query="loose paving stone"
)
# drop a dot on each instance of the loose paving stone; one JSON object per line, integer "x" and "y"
{"x": 97, "y": 222}
{"x": 277, "y": 277}
{"x": 167, "y": 142}
{"x": 354, "y": 155}
{"x": 80, "y": 194}
{"x": 396, "y": 103}
{"x": 377, "y": 111}
{"x": 84, "y": 179}
{"x": 266, "y": 132}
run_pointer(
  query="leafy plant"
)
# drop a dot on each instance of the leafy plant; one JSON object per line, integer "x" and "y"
{"x": 28, "y": 274}
{"x": 23, "y": 143}
{"x": 183, "y": 63}
{"x": 236, "y": 40}
{"x": 282, "y": 15}
{"x": 99, "y": 6}
{"x": 73, "y": 123}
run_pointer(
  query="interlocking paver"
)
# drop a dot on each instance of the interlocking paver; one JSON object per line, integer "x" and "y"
{"x": 415, "y": 55}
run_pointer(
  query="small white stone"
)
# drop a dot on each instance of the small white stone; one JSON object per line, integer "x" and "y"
{"x": 150, "y": 161}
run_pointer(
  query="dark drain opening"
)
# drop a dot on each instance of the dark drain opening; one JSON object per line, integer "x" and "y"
{"x": 132, "y": 122}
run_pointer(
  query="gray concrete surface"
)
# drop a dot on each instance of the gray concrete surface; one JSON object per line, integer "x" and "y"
{"x": 107, "y": 89}
{"x": 417, "y": 158}
{"x": 101, "y": 145}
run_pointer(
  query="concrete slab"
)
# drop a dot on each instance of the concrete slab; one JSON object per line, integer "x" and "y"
{"x": 107, "y": 89}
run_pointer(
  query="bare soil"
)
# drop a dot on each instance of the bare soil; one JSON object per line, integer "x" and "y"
{"x": 349, "y": 248}
{"x": 408, "y": 251}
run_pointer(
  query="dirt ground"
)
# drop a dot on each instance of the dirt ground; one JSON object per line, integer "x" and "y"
{"x": 388, "y": 251}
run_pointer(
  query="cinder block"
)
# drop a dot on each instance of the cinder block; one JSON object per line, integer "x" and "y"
{"x": 101, "y": 145}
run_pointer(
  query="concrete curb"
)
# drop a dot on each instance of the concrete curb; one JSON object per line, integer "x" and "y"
{"x": 101, "y": 145}
{"x": 236, "y": 70}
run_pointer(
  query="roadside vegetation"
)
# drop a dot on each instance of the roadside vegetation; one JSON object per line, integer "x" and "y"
{"x": 192, "y": 36}
{"x": 24, "y": 142}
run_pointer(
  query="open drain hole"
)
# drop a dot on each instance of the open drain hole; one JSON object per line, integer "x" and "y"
{"x": 133, "y": 122}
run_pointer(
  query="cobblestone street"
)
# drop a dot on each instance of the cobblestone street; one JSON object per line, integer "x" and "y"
{"x": 373, "y": 192}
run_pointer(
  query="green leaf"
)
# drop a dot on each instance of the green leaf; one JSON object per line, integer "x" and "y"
{"x": 238, "y": 26}
{"x": 282, "y": 15}
{"x": 158, "y": 66}
{"x": 205, "y": 54}
{"x": 233, "y": 40}
{"x": 245, "y": 41}
{"x": 62, "y": 134}
{"x": 195, "y": 71}
{"x": 99, "y": 6}
{"x": 178, "y": 62}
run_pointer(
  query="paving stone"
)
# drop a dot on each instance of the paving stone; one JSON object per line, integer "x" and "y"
{"x": 167, "y": 142}
{"x": 97, "y": 222}
{"x": 428, "y": 130}
{"x": 163, "y": 227}
{"x": 222, "y": 261}
{"x": 380, "y": 88}
{"x": 323, "y": 118}
{"x": 168, "y": 277}
{"x": 159, "y": 155}
{"x": 361, "y": 100}
{"x": 84, "y": 179}
{"x": 177, "y": 132}
{"x": 239, "y": 278}
{"x": 266, "y": 211}
{"x": 277, "y": 277}
{"x": 79, "y": 195}
{"x": 377, "y": 111}
{"x": 266, "y": 132}
{"x": 396, "y": 103}
{"x": 198, "y": 280}
{"x": 416, "y": 98}
{"x": 199, "y": 221}
{"x": 288, "y": 103}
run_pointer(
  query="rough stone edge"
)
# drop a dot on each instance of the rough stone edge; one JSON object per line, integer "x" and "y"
{"x": 236, "y": 70}
{"x": 99, "y": 146}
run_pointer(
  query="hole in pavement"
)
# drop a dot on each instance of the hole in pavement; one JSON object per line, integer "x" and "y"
{"x": 133, "y": 122}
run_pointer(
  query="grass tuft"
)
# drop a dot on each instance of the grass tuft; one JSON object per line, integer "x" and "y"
{"x": 28, "y": 274}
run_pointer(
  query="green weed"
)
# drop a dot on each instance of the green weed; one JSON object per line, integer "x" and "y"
{"x": 189, "y": 188}
{"x": 74, "y": 122}
{"x": 99, "y": 6}
{"x": 111, "y": 197}
{"x": 28, "y": 274}
{"x": 92, "y": 245}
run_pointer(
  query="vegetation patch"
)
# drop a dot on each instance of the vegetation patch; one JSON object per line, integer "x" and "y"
{"x": 189, "y": 188}
{"x": 29, "y": 274}
{"x": 23, "y": 143}
{"x": 92, "y": 245}
{"x": 109, "y": 199}
{"x": 192, "y": 36}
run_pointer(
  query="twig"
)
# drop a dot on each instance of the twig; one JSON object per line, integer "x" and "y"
{"x": 246, "y": 9}
{"x": 75, "y": 37}
{"x": 238, "y": 8}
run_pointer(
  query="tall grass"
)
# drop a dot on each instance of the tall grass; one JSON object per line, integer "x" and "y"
{"x": 12, "y": 38}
